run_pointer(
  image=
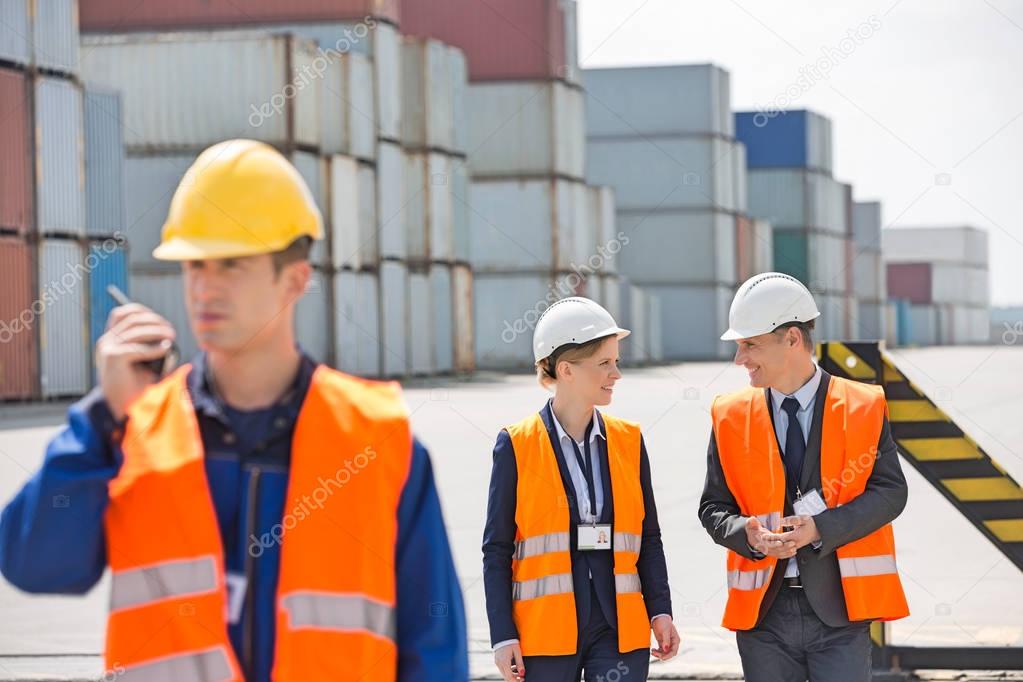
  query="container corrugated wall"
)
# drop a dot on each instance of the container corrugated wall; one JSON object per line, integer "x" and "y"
{"x": 357, "y": 322}
{"x": 107, "y": 261}
{"x": 463, "y": 318}
{"x": 130, "y": 15}
{"x": 60, "y": 170}
{"x": 785, "y": 139}
{"x": 677, "y": 247}
{"x": 104, "y": 163}
{"x": 19, "y": 320}
{"x": 348, "y": 113}
{"x": 968, "y": 245}
{"x": 394, "y": 318}
{"x": 696, "y": 334}
{"x": 506, "y": 308}
{"x": 64, "y": 333}
{"x": 421, "y": 349}
{"x": 16, "y": 187}
{"x": 149, "y": 183}
{"x": 15, "y": 40}
{"x": 390, "y": 201}
{"x": 433, "y": 89}
{"x": 313, "y": 325}
{"x": 55, "y": 35}
{"x": 526, "y": 128}
{"x": 441, "y": 299}
{"x": 504, "y": 40}
{"x": 660, "y": 100}
{"x": 193, "y": 90}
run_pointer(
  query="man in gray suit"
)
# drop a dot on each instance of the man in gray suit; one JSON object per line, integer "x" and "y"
{"x": 801, "y": 628}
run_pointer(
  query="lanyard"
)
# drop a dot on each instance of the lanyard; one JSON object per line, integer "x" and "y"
{"x": 586, "y": 465}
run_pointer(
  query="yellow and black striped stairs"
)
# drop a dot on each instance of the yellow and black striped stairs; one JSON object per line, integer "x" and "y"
{"x": 951, "y": 461}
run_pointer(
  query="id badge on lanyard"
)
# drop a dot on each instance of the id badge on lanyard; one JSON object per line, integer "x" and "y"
{"x": 594, "y": 536}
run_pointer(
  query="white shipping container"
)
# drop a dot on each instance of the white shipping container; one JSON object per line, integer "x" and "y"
{"x": 677, "y": 247}
{"x": 571, "y": 71}
{"x": 164, "y": 292}
{"x": 54, "y": 34}
{"x": 196, "y": 89}
{"x": 640, "y": 341}
{"x": 59, "y": 157}
{"x": 64, "y": 353}
{"x": 315, "y": 171}
{"x": 967, "y": 245}
{"x": 611, "y": 289}
{"x": 870, "y": 321}
{"x": 353, "y": 213}
{"x": 828, "y": 262}
{"x": 524, "y": 224}
{"x": 391, "y": 201}
{"x": 387, "y": 70}
{"x": 313, "y": 324}
{"x": 506, "y": 308}
{"x": 357, "y": 323}
{"x": 442, "y": 319}
{"x": 655, "y": 325}
{"x": 104, "y": 163}
{"x": 463, "y": 318}
{"x": 866, "y": 225}
{"x": 420, "y": 325}
{"x": 460, "y": 203}
{"x": 429, "y": 205}
{"x": 923, "y": 325}
{"x": 525, "y": 128}
{"x": 434, "y": 76}
{"x": 978, "y": 325}
{"x": 688, "y": 99}
{"x": 667, "y": 172}
{"x": 959, "y": 284}
{"x": 869, "y": 275}
{"x": 15, "y": 43}
{"x": 795, "y": 197}
{"x": 348, "y": 115}
{"x": 692, "y": 319}
{"x": 394, "y": 318}
{"x": 763, "y": 246}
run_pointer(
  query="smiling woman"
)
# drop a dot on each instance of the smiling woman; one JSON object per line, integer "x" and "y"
{"x": 553, "y": 534}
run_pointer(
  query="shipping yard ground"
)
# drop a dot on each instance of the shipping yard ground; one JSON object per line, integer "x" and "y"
{"x": 962, "y": 592}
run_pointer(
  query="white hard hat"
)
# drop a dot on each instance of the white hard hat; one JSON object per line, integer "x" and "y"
{"x": 572, "y": 320}
{"x": 766, "y": 301}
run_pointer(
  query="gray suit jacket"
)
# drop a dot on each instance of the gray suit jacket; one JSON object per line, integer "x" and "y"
{"x": 881, "y": 502}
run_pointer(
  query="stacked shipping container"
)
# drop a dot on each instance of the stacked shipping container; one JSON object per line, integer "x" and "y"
{"x": 789, "y": 159}
{"x": 342, "y": 118}
{"x": 534, "y": 223}
{"x": 942, "y": 274}
{"x": 868, "y": 272}
{"x": 663, "y": 138}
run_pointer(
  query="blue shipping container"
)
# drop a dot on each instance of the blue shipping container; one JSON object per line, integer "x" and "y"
{"x": 107, "y": 264}
{"x": 785, "y": 139}
{"x": 104, "y": 163}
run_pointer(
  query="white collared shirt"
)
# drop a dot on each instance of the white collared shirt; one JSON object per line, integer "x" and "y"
{"x": 582, "y": 491}
{"x": 806, "y": 396}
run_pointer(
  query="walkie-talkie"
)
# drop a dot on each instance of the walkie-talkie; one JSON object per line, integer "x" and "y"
{"x": 158, "y": 366}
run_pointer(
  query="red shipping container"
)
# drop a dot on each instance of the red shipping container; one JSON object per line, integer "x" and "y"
{"x": 19, "y": 318}
{"x": 15, "y": 169}
{"x": 502, "y": 39}
{"x": 911, "y": 281}
{"x": 121, "y": 16}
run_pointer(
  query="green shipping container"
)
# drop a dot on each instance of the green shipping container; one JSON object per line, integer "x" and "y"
{"x": 791, "y": 254}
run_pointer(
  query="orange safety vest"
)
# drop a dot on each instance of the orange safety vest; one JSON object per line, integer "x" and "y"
{"x": 336, "y": 591}
{"x": 543, "y": 599}
{"x": 750, "y": 457}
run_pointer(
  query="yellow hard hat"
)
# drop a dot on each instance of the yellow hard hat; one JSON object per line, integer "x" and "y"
{"x": 239, "y": 198}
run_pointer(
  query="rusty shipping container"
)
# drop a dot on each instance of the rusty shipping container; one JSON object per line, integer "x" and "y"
{"x": 15, "y": 168}
{"x": 502, "y": 39}
{"x": 131, "y": 15}
{"x": 18, "y": 321}
{"x": 59, "y": 152}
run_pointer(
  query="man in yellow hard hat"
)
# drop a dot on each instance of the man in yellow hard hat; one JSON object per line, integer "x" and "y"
{"x": 262, "y": 516}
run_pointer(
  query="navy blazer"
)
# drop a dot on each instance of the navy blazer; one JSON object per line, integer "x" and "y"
{"x": 499, "y": 541}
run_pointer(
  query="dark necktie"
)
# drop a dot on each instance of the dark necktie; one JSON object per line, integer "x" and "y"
{"x": 795, "y": 446}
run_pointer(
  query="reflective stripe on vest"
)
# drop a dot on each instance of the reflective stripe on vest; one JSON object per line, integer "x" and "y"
{"x": 543, "y": 599}
{"x": 177, "y": 578}
{"x": 340, "y": 612}
{"x": 542, "y": 544}
{"x": 212, "y": 665}
{"x": 748, "y": 580}
{"x": 628, "y": 542}
{"x": 560, "y": 583}
{"x": 856, "y": 567}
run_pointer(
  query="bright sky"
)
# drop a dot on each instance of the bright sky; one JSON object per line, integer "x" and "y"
{"x": 936, "y": 88}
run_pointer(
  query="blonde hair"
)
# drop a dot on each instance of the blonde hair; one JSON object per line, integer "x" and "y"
{"x": 546, "y": 369}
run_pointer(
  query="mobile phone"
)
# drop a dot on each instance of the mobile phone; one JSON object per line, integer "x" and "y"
{"x": 158, "y": 366}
